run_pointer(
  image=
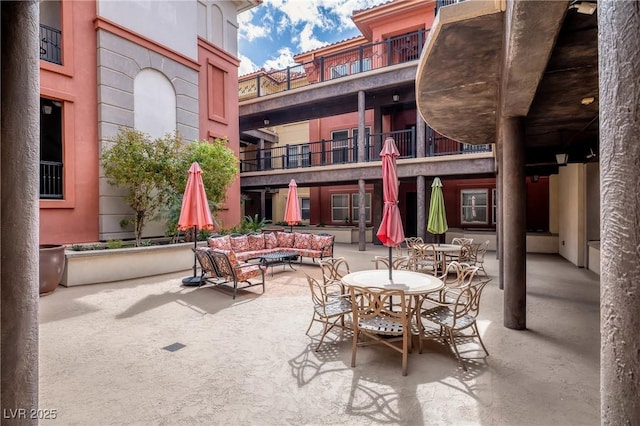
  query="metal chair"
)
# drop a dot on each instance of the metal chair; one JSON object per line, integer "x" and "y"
{"x": 375, "y": 320}
{"x": 424, "y": 258}
{"x": 477, "y": 256}
{"x": 458, "y": 320}
{"x": 327, "y": 310}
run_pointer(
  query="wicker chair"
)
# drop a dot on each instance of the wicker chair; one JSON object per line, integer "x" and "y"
{"x": 327, "y": 310}
{"x": 375, "y": 320}
{"x": 458, "y": 320}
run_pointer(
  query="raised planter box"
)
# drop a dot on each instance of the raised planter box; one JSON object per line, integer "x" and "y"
{"x": 101, "y": 266}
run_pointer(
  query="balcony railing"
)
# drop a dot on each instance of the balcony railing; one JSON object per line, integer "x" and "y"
{"x": 392, "y": 51}
{"x": 50, "y": 44}
{"x": 345, "y": 151}
{"x": 51, "y": 180}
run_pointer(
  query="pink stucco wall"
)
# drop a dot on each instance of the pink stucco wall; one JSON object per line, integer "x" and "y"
{"x": 75, "y": 218}
{"x": 218, "y": 82}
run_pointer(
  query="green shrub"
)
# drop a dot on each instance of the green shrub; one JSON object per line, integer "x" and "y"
{"x": 114, "y": 244}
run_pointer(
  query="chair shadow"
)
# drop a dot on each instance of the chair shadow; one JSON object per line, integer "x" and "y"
{"x": 192, "y": 298}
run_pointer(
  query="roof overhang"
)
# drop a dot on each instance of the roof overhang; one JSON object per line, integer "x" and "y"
{"x": 458, "y": 74}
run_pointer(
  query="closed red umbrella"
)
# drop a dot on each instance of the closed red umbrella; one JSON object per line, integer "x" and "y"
{"x": 390, "y": 231}
{"x": 195, "y": 212}
{"x": 292, "y": 213}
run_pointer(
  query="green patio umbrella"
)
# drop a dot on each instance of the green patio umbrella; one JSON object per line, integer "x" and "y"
{"x": 437, "y": 223}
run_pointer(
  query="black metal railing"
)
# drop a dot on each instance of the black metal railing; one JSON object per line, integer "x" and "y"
{"x": 440, "y": 3}
{"x": 370, "y": 56}
{"x": 345, "y": 151}
{"x": 50, "y": 44}
{"x": 51, "y": 180}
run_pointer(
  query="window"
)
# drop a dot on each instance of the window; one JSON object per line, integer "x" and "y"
{"x": 340, "y": 146}
{"x": 340, "y": 208}
{"x": 51, "y": 174}
{"x": 367, "y": 207}
{"x": 298, "y": 156}
{"x": 305, "y": 208}
{"x": 338, "y": 71}
{"x": 494, "y": 202}
{"x": 474, "y": 206}
{"x": 366, "y": 65}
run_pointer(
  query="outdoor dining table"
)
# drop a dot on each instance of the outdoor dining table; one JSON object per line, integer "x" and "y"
{"x": 414, "y": 284}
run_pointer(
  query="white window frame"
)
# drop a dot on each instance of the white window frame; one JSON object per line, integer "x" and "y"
{"x": 293, "y": 156}
{"x": 464, "y": 207}
{"x": 305, "y": 212}
{"x": 340, "y": 143}
{"x": 355, "y": 207}
{"x": 494, "y": 218}
{"x": 366, "y": 65}
{"x": 341, "y": 208}
{"x": 339, "y": 71}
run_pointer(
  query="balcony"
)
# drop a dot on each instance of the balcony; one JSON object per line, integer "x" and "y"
{"x": 50, "y": 44}
{"x": 367, "y": 57}
{"x": 345, "y": 151}
{"x": 51, "y": 180}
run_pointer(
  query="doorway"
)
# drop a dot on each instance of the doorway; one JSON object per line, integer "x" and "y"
{"x": 411, "y": 214}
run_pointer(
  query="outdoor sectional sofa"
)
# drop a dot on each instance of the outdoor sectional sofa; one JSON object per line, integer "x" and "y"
{"x": 253, "y": 246}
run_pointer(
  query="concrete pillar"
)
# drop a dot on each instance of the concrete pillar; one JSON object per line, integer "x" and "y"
{"x": 421, "y": 134}
{"x": 619, "y": 70}
{"x": 261, "y": 165}
{"x": 514, "y": 224}
{"x": 19, "y": 227}
{"x": 376, "y": 210}
{"x": 362, "y": 224}
{"x": 421, "y": 203}
{"x": 499, "y": 207}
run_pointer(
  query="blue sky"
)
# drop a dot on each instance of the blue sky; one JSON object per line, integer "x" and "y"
{"x": 272, "y": 33}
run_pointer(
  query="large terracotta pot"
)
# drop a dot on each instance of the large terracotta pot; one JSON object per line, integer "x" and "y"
{"x": 51, "y": 267}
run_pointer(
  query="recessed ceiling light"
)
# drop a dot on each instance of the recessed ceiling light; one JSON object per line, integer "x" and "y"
{"x": 587, "y": 101}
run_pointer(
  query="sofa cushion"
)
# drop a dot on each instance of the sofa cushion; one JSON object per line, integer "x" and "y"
{"x": 285, "y": 239}
{"x": 223, "y": 242}
{"x": 256, "y": 242}
{"x": 240, "y": 243}
{"x": 322, "y": 241}
{"x": 302, "y": 241}
{"x": 270, "y": 240}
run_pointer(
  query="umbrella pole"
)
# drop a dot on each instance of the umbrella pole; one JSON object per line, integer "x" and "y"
{"x": 194, "y": 280}
{"x": 390, "y": 264}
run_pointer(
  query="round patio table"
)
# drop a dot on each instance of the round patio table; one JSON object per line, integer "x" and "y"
{"x": 442, "y": 250}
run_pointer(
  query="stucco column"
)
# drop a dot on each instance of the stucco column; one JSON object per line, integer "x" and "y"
{"x": 619, "y": 69}
{"x": 19, "y": 227}
{"x": 514, "y": 224}
{"x": 362, "y": 224}
{"x": 421, "y": 134}
{"x": 421, "y": 203}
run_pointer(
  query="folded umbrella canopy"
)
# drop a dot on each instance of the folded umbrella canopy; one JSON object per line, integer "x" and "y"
{"x": 390, "y": 231}
{"x": 195, "y": 213}
{"x": 437, "y": 222}
{"x": 292, "y": 213}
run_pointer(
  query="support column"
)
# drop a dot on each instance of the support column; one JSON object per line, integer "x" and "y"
{"x": 421, "y": 135}
{"x": 19, "y": 226}
{"x": 362, "y": 224}
{"x": 619, "y": 218}
{"x": 376, "y": 210}
{"x": 421, "y": 203}
{"x": 514, "y": 232}
{"x": 500, "y": 208}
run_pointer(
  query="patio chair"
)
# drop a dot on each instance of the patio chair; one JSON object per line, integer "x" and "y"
{"x": 404, "y": 249}
{"x": 374, "y": 319}
{"x": 456, "y": 277}
{"x": 231, "y": 272}
{"x": 327, "y": 310}
{"x": 477, "y": 256}
{"x": 462, "y": 241}
{"x": 424, "y": 258}
{"x": 402, "y": 262}
{"x": 333, "y": 269}
{"x": 457, "y": 321}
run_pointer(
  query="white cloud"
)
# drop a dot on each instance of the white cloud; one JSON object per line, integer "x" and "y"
{"x": 284, "y": 59}
{"x": 308, "y": 41}
{"x": 248, "y": 30}
{"x": 246, "y": 66}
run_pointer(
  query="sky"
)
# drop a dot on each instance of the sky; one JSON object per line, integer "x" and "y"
{"x": 273, "y": 32}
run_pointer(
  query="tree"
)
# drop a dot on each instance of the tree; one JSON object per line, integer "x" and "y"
{"x": 145, "y": 169}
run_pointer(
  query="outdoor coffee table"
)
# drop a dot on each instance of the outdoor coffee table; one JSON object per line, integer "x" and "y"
{"x": 278, "y": 258}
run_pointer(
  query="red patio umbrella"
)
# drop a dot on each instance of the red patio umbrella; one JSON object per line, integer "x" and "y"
{"x": 195, "y": 213}
{"x": 390, "y": 231}
{"x": 292, "y": 210}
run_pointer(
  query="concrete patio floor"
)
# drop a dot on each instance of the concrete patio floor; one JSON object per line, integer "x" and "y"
{"x": 248, "y": 360}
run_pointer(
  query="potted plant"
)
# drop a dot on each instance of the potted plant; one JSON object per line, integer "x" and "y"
{"x": 52, "y": 261}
